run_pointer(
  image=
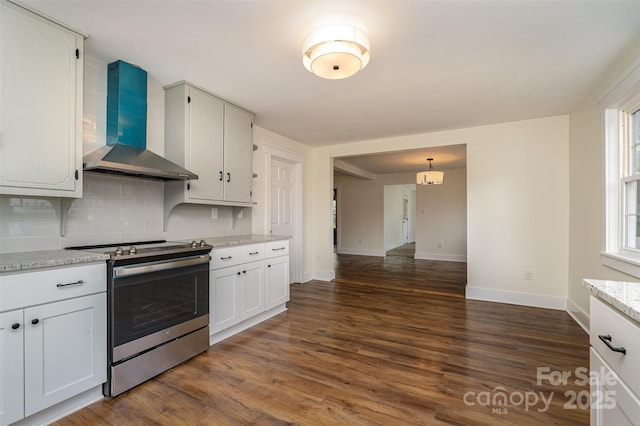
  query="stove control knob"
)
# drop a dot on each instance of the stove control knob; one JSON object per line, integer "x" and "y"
{"x": 194, "y": 244}
{"x": 203, "y": 243}
{"x": 133, "y": 250}
{"x": 119, "y": 251}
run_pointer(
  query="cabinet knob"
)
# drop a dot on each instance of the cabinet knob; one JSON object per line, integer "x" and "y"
{"x": 35, "y": 321}
{"x": 268, "y": 266}
{"x": 238, "y": 273}
{"x": 15, "y": 326}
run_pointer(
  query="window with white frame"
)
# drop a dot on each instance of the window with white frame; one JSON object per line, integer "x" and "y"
{"x": 622, "y": 133}
{"x": 630, "y": 179}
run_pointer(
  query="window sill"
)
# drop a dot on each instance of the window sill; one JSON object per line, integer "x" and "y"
{"x": 623, "y": 262}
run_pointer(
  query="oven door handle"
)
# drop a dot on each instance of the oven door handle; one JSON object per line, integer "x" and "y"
{"x": 124, "y": 271}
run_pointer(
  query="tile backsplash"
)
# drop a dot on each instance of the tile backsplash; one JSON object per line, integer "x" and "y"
{"x": 113, "y": 208}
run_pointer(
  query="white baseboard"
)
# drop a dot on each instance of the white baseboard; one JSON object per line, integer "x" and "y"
{"x": 63, "y": 408}
{"x": 361, "y": 252}
{"x": 439, "y": 256}
{"x": 319, "y": 275}
{"x": 580, "y": 316}
{"x": 517, "y": 298}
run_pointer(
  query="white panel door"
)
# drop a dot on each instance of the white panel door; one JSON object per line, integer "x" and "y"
{"x": 40, "y": 104}
{"x": 238, "y": 148}
{"x": 253, "y": 289}
{"x": 11, "y": 367}
{"x": 224, "y": 293}
{"x": 282, "y": 185}
{"x": 277, "y": 281}
{"x": 206, "y": 142}
{"x": 65, "y": 350}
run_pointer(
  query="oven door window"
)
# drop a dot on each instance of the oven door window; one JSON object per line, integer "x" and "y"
{"x": 146, "y": 303}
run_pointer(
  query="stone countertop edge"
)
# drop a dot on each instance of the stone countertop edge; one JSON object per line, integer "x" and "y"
{"x": 237, "y": 240}
{"x": 23, "y": 261}
{"x": 622, "y": 295}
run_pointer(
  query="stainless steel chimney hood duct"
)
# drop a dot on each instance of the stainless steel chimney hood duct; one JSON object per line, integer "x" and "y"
{"x": 125, "y": 152}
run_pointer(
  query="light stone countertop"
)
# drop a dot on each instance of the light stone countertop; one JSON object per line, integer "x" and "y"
{"x": 237, "y": 240}
{"x": 22, "y": 261}
{"x": 625, "y": 296}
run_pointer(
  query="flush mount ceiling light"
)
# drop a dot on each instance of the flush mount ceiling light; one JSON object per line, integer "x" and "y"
{"x": 335, "y": 51}
{"x": 430, "y": 177}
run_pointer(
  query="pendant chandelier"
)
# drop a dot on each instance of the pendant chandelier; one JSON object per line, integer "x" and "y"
{"x": 430, "y": 177}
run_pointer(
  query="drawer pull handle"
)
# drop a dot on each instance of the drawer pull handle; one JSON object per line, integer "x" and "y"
{"x": 279, "y": 248}
{"x": 79, "y": 282}
{"x": 253, "y": 253}
{"x": 35, "y": 321}
{"x": 226, "y": 258}
{"x": 15, "y": 326}
{"x": 606, "y": 339}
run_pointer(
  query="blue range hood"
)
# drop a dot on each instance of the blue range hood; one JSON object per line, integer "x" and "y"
{"x": 125, "y": 152}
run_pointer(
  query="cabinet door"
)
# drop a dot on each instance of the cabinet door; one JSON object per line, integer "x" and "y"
{"x": 65, "y": 350}
{"x": 238, "y": 148}
{"x": 277, "y": 281}
{"x": 224, "y": 292}
{"x": 11, "y": 367}
{"x": 40, "y": 106}
{"x": 206, "y": 142}
{"x": 253, "y": 289}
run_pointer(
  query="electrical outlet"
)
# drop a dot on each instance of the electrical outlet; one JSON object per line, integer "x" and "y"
{"x": 214, "y": 212}
{"x": 528, "y": 275}
{"x": 439, "y": 245}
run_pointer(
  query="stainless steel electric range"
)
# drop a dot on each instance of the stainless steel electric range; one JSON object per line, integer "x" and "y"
{"x": 158, "y": 308}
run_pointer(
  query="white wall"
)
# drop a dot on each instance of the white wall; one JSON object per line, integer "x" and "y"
{"x": 517, "y": 205}
{"x": 370, "y": 215}
{"x": 361, "y": 216}
{"x": 587, "y": 231}
{"x": 441, "y": 218}
{"x": 392, "y": 201}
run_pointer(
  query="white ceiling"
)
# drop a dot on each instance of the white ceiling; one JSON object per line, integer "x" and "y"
{"x": 435, "y": 65}
{"x": 444, "y": 157}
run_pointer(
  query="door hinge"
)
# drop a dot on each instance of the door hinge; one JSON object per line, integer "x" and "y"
{"x": 77, "y": 174}
{"x": 188, "y": 99}
{"x": 77, "y": 53}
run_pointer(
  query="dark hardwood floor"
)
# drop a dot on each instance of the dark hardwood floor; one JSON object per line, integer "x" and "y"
{"x": 388, "y": 343}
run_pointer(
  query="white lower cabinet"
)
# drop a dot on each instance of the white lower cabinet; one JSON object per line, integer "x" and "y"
{"x": 237, "y": 293}
{"x": 225, "y": 298}
{"x": 248, "y": 285}
{"x": 63, "y": 350}
{"x": 277, "y": 281}
{"x": 51, "y": 352}
{"x": 11, "y": 367}
{"x": 614, "y": 361}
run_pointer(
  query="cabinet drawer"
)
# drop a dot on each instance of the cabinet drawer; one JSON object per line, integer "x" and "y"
{"x": 276, "y": 248}
{"x": 34, "y": 288}
{"x": 612, "y": 402}
{"x": 235, "y": 255}
{"x": 606, "y": 321}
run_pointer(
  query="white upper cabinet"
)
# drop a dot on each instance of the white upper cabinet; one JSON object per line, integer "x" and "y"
{"x": 238, "y": 148}
{"x": 211, "y": 138}
{"x": 40, "y": 105}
